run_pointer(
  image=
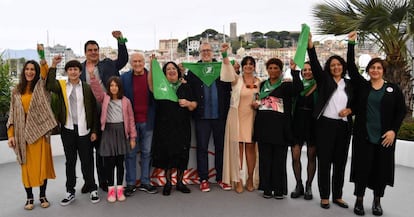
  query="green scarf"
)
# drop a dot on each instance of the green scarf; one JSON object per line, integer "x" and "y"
{"x": 268, "y": 88}
{"x": 175, "y": 86}
{"x": 307, "y": 86}
{"x": 206, "y": 72}
{"x": 161, "y": 87}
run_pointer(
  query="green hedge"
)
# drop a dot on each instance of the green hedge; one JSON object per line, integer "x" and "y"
{"x": 407, "y": 130}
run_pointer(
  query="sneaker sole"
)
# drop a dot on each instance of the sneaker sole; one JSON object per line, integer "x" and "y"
{"x": 67, "y": 203}
{"x": 95, "y": 201}
{"x": 147, "y": 191}
{"x": 205, "y": 190}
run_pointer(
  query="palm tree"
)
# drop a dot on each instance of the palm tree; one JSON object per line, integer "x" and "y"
{"x": 389, "y": 23}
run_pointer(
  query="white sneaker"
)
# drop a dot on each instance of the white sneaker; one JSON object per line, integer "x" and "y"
{"x": 94, "y": 197}
{"x": 68, "y": 199}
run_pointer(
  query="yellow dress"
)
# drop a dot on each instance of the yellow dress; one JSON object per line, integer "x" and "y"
{"x": 39, "y": 161}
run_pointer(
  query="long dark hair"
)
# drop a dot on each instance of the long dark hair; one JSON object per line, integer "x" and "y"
{"x": 21, "y": 87}
{"x": 118, "y": 82}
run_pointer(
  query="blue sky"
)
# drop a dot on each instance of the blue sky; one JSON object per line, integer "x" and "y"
{"x": 26, "y": 22}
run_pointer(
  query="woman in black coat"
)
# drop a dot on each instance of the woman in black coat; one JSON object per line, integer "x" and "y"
{"x": 272, "y": 127}
{"x": 333, "y": 125}
{"x": 379, "y": 112}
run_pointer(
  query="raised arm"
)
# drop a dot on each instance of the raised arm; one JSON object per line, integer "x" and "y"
{"x": 51, "y": 83}
{"x": 122, "y": 58}
{"x": 353, "y": 71}
{"x": 227, "y": 72}
{"x": 97, "y": 90}
{"x": 150, "y": 83}
{"x": 313, "y": 59}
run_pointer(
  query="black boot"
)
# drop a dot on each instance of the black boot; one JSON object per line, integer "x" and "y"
{"x": 308, "y": 192}
{"x": 298, "y": 191}
{"x": 376, "y": 207}
{"x": 183, "y": 188}
{"x": 167, "y": 187}
{"x": 180, "y": 185}
{"x": 359, "y": 206}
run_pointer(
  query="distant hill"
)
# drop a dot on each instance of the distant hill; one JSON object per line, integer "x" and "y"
{"x": 28, "y": 54}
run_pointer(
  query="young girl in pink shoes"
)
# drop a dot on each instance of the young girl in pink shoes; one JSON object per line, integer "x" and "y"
{"x": 118, "y": 132}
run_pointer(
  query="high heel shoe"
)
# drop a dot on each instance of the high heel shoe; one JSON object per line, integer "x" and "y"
{"x": 249, "y": 184}
{"x": 167, "y": 189}
{"x": 239, "y": 187}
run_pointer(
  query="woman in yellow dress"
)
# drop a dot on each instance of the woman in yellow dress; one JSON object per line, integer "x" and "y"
{"x": 30, "y": 123}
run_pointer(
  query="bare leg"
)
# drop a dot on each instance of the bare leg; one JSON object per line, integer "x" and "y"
{"x": 251, "y": 163}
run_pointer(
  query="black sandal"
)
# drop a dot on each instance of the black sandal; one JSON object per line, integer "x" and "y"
{"x": 44, "y": 203}
{"x": 29, "y": 204}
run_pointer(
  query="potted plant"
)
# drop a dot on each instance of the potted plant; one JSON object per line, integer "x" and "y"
{"x": 5, "y": 94}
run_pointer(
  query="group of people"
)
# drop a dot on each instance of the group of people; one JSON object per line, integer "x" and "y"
{"x": 252, "y": 123}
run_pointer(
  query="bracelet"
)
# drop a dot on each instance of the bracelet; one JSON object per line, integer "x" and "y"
{"x": 224, "y": 54}
{"x": 122, "y": 40}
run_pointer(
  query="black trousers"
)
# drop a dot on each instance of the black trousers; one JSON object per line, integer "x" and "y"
{"x": 272, "y": 167}
{"x": 73, "y": 144}
{"x": 332, "y": 145}
{"x": 112, "y": 162}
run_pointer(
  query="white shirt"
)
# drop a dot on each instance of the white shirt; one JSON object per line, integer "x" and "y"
{"x": 337, "y": 102}
{"x": 82, "y": 126}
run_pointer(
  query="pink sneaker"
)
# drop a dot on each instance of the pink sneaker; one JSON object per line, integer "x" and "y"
{"x": 224, "y": 186}
{"x": 120, "y": 193}
{"x": 204, "y": 186}
{"x": 111, "y": 194}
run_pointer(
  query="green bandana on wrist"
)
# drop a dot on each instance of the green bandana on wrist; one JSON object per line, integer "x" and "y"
{"x": 122, "y": 40}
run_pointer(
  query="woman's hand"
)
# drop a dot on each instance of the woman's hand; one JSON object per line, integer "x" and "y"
{"x": 352, "y": 36}
{"x": 388, "y": 138}
{"x": 183, "y": 102}
{"x": 11, "y": 142}
{"x": 345, "y": 112}
{"x": 292, "y": 65}
{"x": 310, "y": 42}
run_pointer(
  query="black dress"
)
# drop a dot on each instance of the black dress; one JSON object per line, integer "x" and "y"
{"x": 172, "y": 132}
{"x": 303, "y": 121}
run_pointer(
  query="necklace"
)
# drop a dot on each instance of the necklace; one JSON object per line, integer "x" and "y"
{"x": 252, "y": 84}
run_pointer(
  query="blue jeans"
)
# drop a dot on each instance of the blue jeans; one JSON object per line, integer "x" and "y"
{"x": 144, "y": 140}
{"x": 204, "y": 129}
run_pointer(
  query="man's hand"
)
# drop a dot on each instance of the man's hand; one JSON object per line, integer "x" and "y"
{"x": 117, "y": 34}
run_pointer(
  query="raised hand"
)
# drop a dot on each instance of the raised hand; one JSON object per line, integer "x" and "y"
{"x": 352, "y": 36}
{"x": 117, "y": 34}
